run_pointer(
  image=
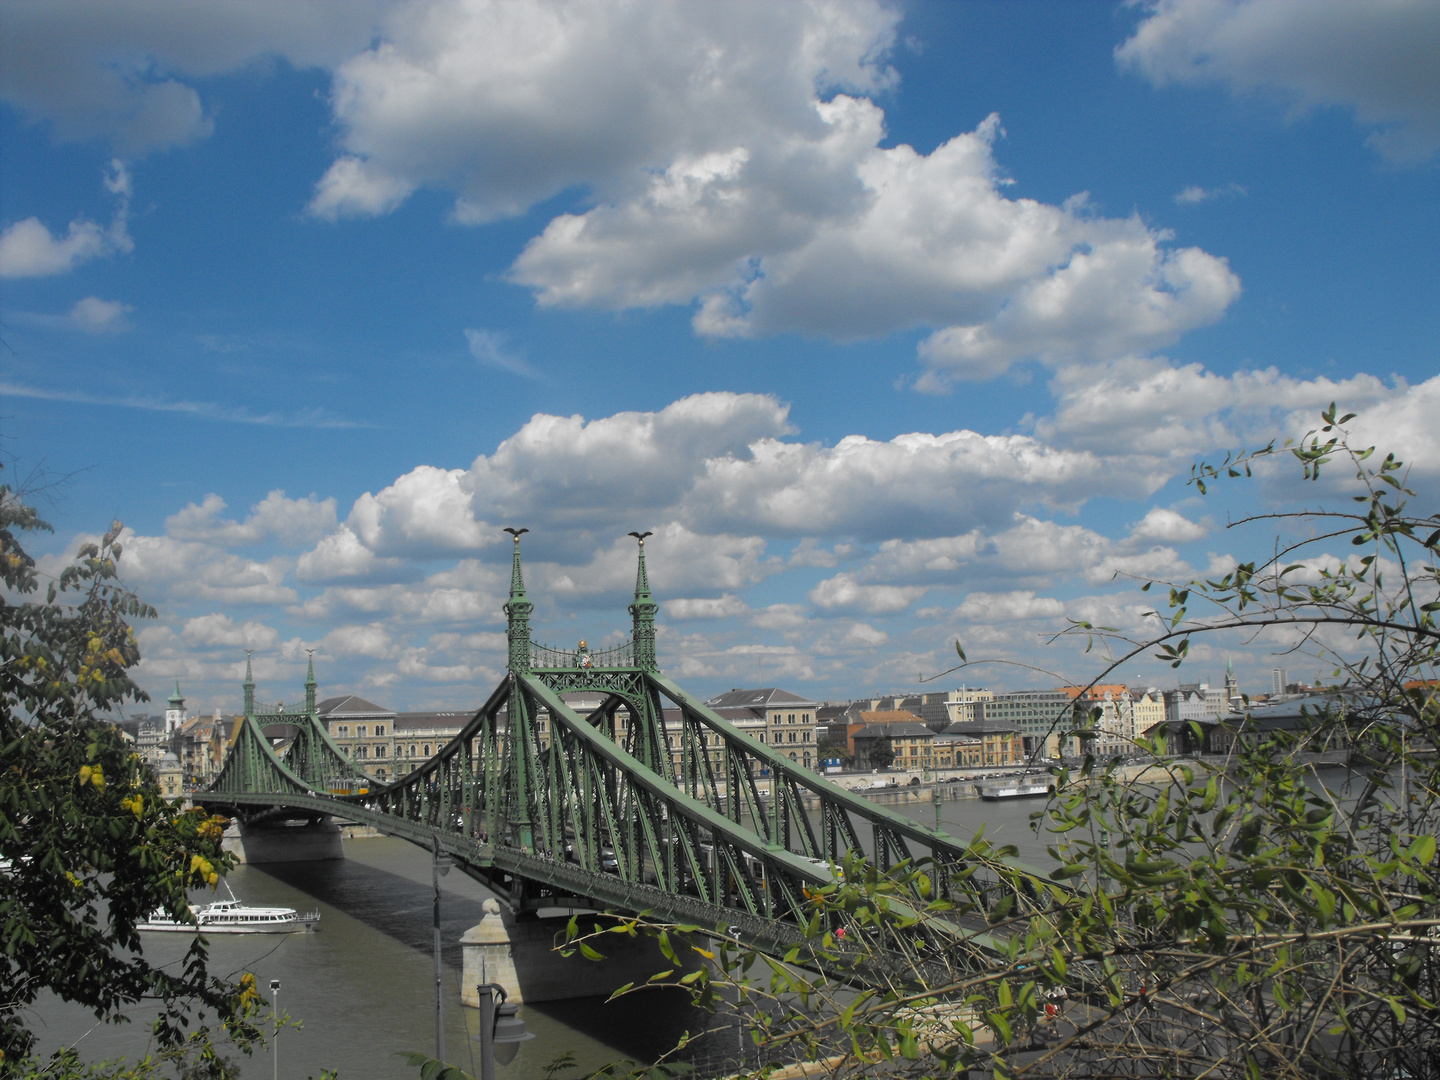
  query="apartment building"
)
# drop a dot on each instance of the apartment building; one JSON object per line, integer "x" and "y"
{"x": 778, "y": 718}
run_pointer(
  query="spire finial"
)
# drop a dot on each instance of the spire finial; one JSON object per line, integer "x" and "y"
{"x": 517, "y": 610}
{"x": 642, "y": 612}
{"x": 249, "y": 687}
{"x": 310, "y": 684}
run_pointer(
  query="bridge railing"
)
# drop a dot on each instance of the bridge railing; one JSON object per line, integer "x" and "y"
{"x": 617, "y": 656}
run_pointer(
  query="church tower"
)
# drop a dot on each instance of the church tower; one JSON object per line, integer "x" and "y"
{"x": 174, "y": 712}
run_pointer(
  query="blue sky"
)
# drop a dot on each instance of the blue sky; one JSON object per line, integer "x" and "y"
{"x": 896, "y": 323}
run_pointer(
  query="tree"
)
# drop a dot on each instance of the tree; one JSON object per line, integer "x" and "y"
{"x": 881, "y": 754}
{"x": 89, "y": 845}
{"x": 1226, "y": 916}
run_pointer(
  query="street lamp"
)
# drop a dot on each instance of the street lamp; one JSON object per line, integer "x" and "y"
{"x": 275, "y": 1022}
{"x": 501, "y": 1030}
{"x": 440, "y": 866}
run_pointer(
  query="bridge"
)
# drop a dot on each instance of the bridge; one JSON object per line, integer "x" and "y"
{"x": 692, "y": 821}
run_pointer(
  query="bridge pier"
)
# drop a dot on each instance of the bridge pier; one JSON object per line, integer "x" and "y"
{"x": 278, "y": 841}
{"x": 520, "y": 955}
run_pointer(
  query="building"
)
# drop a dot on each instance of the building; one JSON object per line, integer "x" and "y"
{"x": 364, "y": 731}
{"x": 966, "y": 705}
{"x": 987, "y": 742}
{"x": 899, "y": 732}
{"x": 1112, "y": 712}
{"x": 1149, "y": 706}
{"x": 778, "y": 718}
{"x": 169, "y": 776}
{"x": 200, "y": 746}
{"x": 1194, "y": 702}
{"x": 1036, "y": 714}
{"x": 174, "y": 713}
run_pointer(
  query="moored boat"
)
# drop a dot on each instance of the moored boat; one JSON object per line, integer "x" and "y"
{"x": 1015, "y": 789}
{"x": 233, "y": 917}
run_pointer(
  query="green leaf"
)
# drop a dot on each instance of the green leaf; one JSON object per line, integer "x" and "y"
{"x": 1423, "y": 850}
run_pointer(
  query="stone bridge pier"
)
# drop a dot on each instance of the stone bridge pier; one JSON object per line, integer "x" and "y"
{"x": 278, "y": 840}
{"x": 520, "y": 955}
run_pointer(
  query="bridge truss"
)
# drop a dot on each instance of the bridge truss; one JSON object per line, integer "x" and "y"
{"x": 651, "y": 802}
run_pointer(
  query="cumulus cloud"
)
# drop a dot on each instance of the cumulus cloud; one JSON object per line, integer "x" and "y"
{"x": 1167, "y": 526}
{"x": 922, "y": 241}
{"x": 218, "y": 630}
{"x": 167, "y": 569}
{"x": 1150, "y": 406}
{"x": 733, "y": 156}
{"x": 843, "y": 592}
{"x": 29, "y": 249}
{"x": 987, "y": 607}
{"x": 98, "y": 69}
{"x": 1377, "y": 59}
{"x": 856, "y": 536}
{"x": 294, "y": 521}
{"x": 510, "y": 104}
{"x": 718, "y": 607}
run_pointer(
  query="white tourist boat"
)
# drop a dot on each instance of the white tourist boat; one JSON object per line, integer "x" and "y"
{"x": 1024, "y": 787}
{"x": 233, "y": 917}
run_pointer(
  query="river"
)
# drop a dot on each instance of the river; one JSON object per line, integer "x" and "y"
{"x": 362, "y": 986}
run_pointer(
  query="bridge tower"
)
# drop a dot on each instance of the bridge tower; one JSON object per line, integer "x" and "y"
{"x": 642, "y": 612}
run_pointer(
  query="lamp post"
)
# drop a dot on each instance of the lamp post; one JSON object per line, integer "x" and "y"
{"x": 501, "y": 1030}
{"x": 439, "y": 867}
{"x": 275, "y": 1024}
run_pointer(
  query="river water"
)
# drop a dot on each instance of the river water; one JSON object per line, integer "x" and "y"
{"x": 362, "y": 986}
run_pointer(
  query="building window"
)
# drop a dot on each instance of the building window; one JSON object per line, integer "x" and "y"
{"x": 427, "y": 749}
{"x": 380, "y": 751}
{"x": 360, "y": 730}
{"x": 343, "y": 731}
{"x": 379, "y": 730}
{"x": 362, "y": 752}
{"x": 412, "y": 749}
{"x": 792, "y": 756}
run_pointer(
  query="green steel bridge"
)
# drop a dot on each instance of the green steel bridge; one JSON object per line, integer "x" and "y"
{"x": 692, "y": 821}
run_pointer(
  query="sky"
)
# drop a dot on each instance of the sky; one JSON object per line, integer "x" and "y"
{"x": 896, "y": 324}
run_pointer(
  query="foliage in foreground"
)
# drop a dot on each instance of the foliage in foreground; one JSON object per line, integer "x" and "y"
{"x": 1242, "y": 915}
{"x": 89, "y": 845}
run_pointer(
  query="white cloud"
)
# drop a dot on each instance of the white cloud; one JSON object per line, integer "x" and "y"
{"x": 1376, "y": 58}
{"x": 988, "y": 607}
{"x": 342, "y": 555}
{"x": 492, "y": 348}
{"x": 99, "y": 69}
{"x": 1153, "y": 408}
{"x": 931, "y": 483}
{"x": 96, "y": 316}
{"x": 370, "y": 640}
{"x": 843, "y": 592}
{"x": 218, "y": 630}
{"x": 1195, "y": 194}
{"x": 28, "y": 249}
{"x": 920, "y": 240}
{"x": 509, "y": 104}
{"x": 718, "y": 607}
{"x": 1167, "y": 526}
{"x": 169, "y": 571}
{"x": 294, "y": 521}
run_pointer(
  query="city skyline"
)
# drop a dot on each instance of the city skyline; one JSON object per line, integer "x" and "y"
{"x": 896, "y": 324}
